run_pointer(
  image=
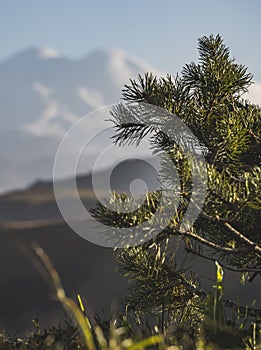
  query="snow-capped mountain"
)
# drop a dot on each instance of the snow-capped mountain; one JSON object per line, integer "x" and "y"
{"x": 42, "y": 94}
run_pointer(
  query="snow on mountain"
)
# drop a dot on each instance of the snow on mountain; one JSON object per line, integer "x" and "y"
{"x": 48, "y": 52}
{"x": 42, "y": 93}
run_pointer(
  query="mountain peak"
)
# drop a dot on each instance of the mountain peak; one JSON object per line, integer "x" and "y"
{"x": 33, "y": 53}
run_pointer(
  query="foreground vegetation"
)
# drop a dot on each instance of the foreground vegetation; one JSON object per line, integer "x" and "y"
{"x": 69, "y": 337}
{"x": 128, "y": 333}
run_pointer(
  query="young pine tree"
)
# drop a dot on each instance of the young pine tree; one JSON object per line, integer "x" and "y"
{"x": 207, "y": 97}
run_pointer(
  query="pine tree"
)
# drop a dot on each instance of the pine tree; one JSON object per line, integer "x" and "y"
{"x": 207, "y": 97}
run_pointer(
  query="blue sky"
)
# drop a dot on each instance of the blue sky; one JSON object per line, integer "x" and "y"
{"x": 163, "y": 34}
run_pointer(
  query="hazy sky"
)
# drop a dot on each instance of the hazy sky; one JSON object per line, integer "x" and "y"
{"x": 163, "y": 33}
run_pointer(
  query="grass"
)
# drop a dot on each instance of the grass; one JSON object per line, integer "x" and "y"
{"x": 78, "y": 333}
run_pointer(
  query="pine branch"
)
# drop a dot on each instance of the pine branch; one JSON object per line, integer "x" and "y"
{"x": 231, "y": 268}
